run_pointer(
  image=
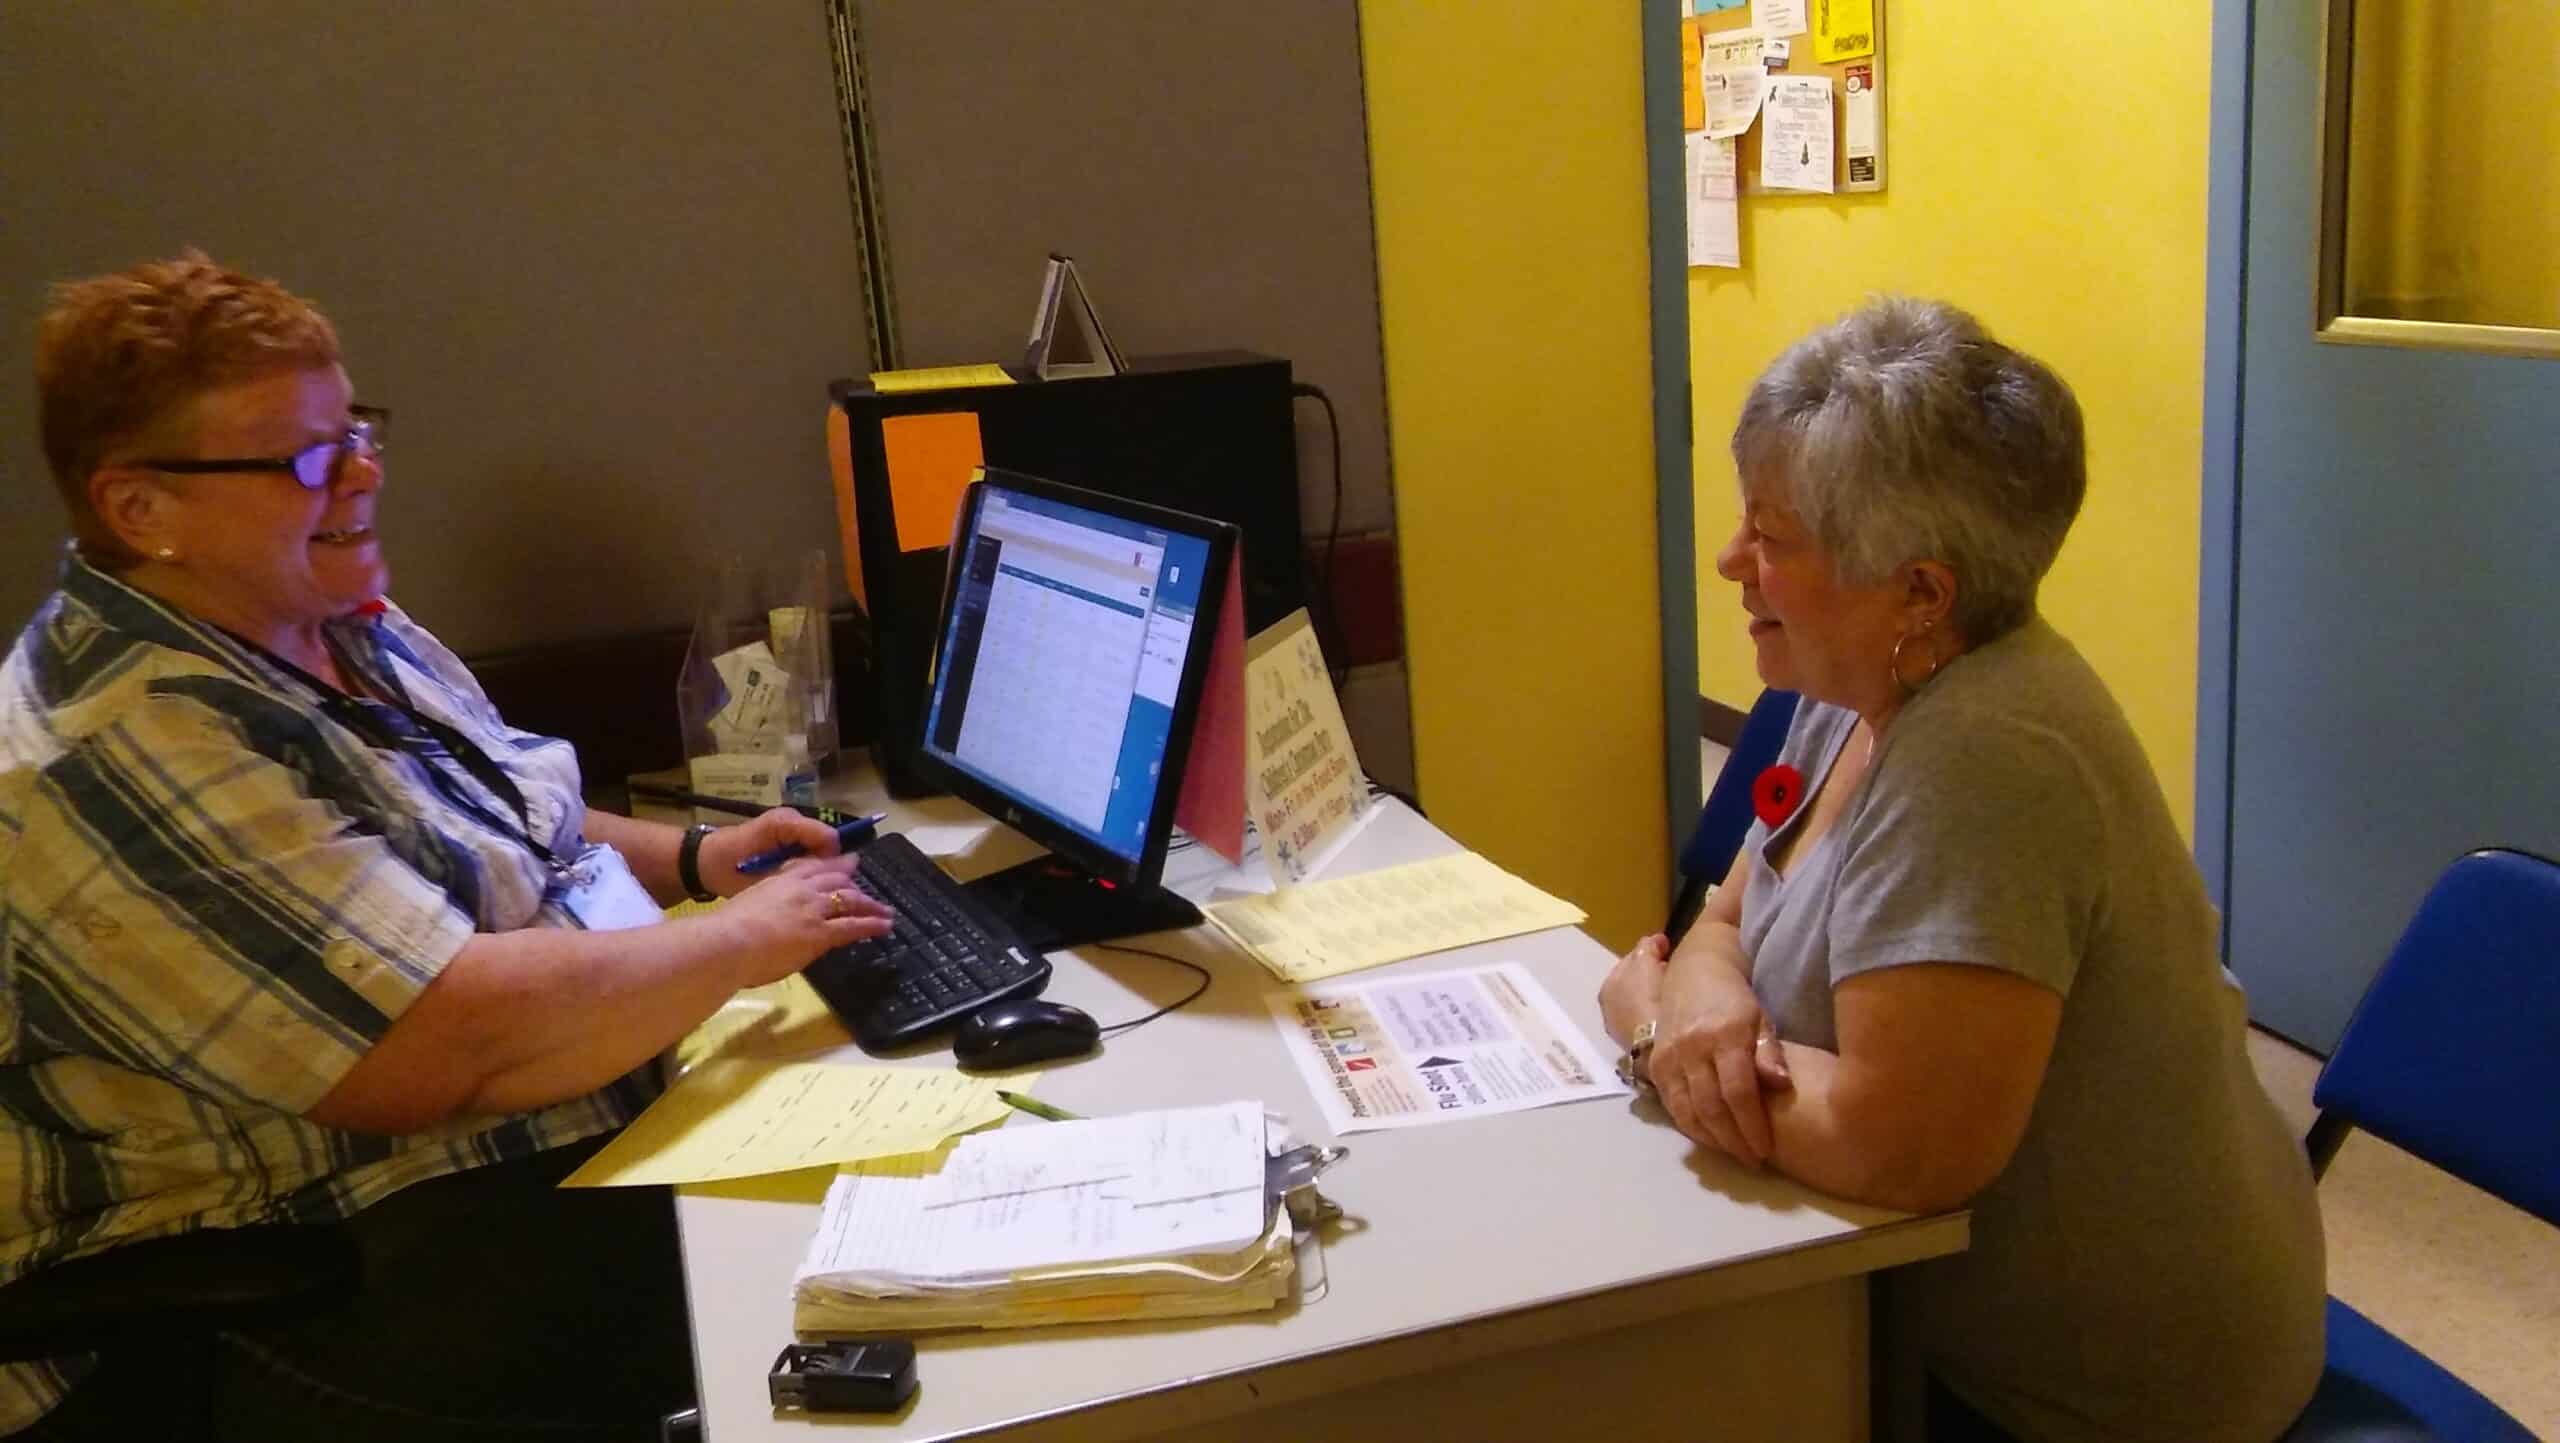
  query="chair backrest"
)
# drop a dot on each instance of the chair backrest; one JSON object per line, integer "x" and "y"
{"x": 2454, "y": 1053}
{"x": 1727, "y": 814}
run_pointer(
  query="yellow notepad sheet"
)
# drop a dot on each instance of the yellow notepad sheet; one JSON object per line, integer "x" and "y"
{"x": 737, "y": 1117}
{"x": 938, "y": 378}
{"x": 1342, "y": 924}
{"x": 780, "y": 1019}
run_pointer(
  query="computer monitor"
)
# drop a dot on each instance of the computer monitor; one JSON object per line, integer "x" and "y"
{"x": 1074, "y": 644}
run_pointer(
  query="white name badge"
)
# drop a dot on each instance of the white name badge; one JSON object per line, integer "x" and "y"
{"x": 605, "y": 896}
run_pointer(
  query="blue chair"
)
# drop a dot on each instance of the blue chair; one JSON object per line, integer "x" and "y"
{"x": 2450, "y": 1057}
{"x": 1727, "y": 814}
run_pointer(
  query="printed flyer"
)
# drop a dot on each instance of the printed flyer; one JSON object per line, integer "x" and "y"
{"x": 1437, "y": 1046}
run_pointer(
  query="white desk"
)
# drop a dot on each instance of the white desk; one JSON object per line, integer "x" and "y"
{"x": 1591, "y": 1233}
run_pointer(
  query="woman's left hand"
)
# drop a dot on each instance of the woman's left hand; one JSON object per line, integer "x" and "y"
{"x": 724, "y": 849}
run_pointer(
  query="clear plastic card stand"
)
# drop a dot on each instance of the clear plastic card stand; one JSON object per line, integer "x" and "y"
{"x": 757, "y": 697}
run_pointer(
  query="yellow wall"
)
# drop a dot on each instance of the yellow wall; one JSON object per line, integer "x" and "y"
{"x": 2046, "y": 170}
{"x": 1506, "y": 146}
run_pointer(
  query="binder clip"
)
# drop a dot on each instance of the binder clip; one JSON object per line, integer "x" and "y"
{"x": 1290, "y": 1179}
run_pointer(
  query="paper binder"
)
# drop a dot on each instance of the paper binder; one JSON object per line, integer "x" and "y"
{"x": 896, "y": 1251}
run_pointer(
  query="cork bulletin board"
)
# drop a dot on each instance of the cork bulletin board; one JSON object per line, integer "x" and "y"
{"x": 1857, "y": 87}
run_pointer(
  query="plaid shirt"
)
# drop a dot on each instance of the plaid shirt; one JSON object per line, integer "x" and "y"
{"x": 214, "y": 898}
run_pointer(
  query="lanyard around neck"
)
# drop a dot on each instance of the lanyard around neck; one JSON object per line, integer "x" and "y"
{"x": 357, "y": 716}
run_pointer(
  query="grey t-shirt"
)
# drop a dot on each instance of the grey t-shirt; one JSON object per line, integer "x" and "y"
{"x": 2149, "y": 1264}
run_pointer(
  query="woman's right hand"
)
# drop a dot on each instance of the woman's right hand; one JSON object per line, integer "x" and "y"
{"x": 783, "y": 922}
{"x": 1714, "y": 1054}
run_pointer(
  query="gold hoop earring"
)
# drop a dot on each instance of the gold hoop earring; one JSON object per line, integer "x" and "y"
{"x": 1893, "y": 663}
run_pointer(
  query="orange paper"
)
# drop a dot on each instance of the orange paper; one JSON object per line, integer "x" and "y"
{"x": 931, "y": 458}
{"x": 840, "y": 466}
{"x": 1211, "y": 808}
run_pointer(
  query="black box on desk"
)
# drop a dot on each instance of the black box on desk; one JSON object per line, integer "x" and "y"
{"x": 1209, "y": 433}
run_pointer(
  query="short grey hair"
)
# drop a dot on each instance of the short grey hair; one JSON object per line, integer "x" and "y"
{"x": 1903, "y": 432}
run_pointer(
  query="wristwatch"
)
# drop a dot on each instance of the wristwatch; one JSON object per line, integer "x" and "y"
{"x": 689, "y": 863}
{"x": 1631, "y": 1062}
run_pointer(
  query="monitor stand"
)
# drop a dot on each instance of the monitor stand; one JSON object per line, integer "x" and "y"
{"x": 1054, "y": 903}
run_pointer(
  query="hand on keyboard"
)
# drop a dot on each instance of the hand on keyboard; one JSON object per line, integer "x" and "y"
{"x": 784, "y": 920}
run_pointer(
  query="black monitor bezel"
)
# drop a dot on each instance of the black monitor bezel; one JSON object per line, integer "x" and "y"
{"x": 1148, "y": 869}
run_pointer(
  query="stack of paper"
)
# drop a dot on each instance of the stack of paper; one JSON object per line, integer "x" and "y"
{"x": 1153, "y": 1215}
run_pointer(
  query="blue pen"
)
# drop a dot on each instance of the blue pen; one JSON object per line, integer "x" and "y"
{"x": 849, "y": 836}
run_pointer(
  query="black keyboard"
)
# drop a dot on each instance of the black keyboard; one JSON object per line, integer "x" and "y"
{"x": 948, "y": 957}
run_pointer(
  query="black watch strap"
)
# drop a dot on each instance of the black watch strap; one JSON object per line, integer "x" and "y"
{"x": 689, "y": 863}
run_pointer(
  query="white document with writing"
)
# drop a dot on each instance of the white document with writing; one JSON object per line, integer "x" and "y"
{"x": 1025, "y": 1198}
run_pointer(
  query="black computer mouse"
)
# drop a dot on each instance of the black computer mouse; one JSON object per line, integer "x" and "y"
{"x": 1008, "y": 1034}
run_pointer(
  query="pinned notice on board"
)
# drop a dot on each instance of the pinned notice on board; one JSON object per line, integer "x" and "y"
{"x": 1715, "y": 231}
{"x": 1778, "y": 18}
{"x": 1308, "y": 791}
{"x": 1796, "y": 140}
{"x": 1734, "y": 77}
{"x": 1861, "y": 138}
{"x": 1843, "y": 30}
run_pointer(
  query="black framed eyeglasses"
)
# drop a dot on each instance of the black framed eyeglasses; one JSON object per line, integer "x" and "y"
{"x": 311, "y": 467}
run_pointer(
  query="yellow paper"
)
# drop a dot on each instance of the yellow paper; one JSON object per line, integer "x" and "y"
{"x": 740, "y": 1116}
{"x": 781, "y": 1019}
{"x": 939, "y": 378}
{"x": 806, "y": 1185}
{"x": 931, "y": 460}
{"x": 1371, "y": 918}
{"x": 1693, "y": 100}
{"x": 1843, "y": 29}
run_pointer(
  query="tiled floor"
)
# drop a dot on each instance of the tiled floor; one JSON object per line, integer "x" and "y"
{"x": 2460, "y": 1276}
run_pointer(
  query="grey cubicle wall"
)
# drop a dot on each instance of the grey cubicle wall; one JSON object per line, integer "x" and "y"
{"x": 1206, "y": 165}
{"x": 600, "y": 260}
{"x": 597, "y": 258}
{"x": 1208, "y": 168}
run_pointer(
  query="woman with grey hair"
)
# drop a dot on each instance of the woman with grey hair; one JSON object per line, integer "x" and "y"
{"x": 1963, "y": 958}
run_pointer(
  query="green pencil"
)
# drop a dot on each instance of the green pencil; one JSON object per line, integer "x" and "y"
{"x": 1035, "y": 1107}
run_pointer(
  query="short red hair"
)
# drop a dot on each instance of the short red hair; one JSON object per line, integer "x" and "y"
{"x": 118, "y": 357}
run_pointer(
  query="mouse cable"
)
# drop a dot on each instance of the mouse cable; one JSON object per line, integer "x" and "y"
{"x": 1187, "y": 998}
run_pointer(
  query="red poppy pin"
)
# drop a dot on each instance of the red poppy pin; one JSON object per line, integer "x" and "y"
{"x": 1775, "y": 793}
{"x": 375, "y": 607}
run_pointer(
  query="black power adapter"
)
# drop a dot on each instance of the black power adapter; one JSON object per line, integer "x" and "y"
{"x": 872, "y": 1375}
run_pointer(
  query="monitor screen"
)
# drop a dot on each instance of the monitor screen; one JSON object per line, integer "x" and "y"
{"x": 1068, "y": 663}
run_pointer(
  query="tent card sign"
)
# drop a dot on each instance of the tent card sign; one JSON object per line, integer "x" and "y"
{"x": 1067, "y": 339}
{"x": 1304, "y": 783}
